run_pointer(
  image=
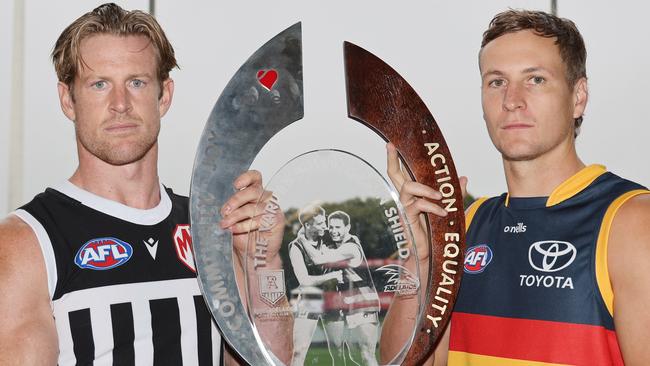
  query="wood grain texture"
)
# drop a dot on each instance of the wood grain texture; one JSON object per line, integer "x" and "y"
{"x": 381, "y": 99}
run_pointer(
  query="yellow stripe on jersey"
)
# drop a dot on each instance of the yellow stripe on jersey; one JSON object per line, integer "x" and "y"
{"x": 602, "y": 272}
{"x": 471, "y": 210}
{"x": 456, "y": 358}
{"x": 575, "y": 184}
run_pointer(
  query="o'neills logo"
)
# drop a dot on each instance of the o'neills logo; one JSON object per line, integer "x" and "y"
{"x": 450, "y": 266}
{"x": 519, "y": 228}
{"x": 267, "y": 223}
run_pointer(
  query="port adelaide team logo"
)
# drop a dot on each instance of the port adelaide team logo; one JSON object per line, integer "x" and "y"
{"x": 271, "y": 286}
{"x": 103, "y": 253}
{"x": 477, "y": 258}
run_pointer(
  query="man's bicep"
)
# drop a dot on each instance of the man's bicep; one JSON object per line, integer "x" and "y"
{"x": 26, "y": 320}
{"x": 628, "y": 253}
{"x": 442, "y": 348}
{"x": 351, "y": 251}
{"x": 298, "y": 264}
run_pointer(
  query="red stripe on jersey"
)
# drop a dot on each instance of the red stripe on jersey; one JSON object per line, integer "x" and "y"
{"x": 534, "y": 340}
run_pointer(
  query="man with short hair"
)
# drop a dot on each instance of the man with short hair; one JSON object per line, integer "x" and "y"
{"x": 99, "y": 268}
{"x": 360, "y": 315}
{"x": 569, "y": 286}
{"x": 309, "y": 274}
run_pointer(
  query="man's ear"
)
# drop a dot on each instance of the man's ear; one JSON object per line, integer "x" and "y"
{"x": 580, "y": 97}
{"x": 66, "y": 100}
{"x": 165, "y": 100}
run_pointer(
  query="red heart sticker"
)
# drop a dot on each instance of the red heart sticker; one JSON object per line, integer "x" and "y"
{"x": 267, "y": 78}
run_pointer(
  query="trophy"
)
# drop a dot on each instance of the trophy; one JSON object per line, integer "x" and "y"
{"x": 333, "y": 274}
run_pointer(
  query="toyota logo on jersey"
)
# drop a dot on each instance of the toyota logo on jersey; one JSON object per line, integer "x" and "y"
{"x": 477, "y": 258}
{"x": 551, "y": 255}
{"x": 103, "y": 253}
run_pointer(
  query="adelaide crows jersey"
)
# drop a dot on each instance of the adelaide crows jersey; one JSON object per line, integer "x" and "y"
{"x": 122, "y": 280}
{"x": 536, "y": 289}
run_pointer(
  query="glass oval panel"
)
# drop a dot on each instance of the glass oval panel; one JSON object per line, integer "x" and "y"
{"x": 331, "y": 256}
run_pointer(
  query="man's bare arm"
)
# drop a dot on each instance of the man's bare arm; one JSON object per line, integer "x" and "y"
{"x": 416, "y": 198}
{"x": 242, "y": 214}
{"x": 628, "y": 254}
{"x": 27, "y": 330}
{"x": 304, "y": 278}
{"x": 342, "y": 253}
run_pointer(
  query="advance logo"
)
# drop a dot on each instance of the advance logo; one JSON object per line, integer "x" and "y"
{"x": 103, "y": 253}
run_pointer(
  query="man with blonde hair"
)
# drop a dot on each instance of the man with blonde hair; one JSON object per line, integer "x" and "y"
{"x": 99, "y": 268}
{"x": 310, "y": 275}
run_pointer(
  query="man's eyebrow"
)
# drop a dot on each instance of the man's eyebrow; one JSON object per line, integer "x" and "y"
{"x": 528, "y": 70}
{"x": 135, "y": 75}
{"x": 491, "y": 73}
{"x": 140, "y": 74}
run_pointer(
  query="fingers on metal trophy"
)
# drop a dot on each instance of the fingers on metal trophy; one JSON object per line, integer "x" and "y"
{"x": 329, "y": 257}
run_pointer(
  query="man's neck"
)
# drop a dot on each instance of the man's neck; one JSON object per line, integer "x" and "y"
{"x": 135, "y": 185}
{"x": 312, "y": 240}
{"x": 540, "y": 176}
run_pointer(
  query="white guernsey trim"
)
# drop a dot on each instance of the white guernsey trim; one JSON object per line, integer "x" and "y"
{"x": 141, "y": 217}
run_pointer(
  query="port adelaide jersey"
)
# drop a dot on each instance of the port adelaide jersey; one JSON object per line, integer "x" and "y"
{"x": 122, "y": 280}
{"x": 536, "y": 289}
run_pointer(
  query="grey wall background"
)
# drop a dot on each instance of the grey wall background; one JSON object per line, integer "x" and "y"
{"x": 433, "y": 44}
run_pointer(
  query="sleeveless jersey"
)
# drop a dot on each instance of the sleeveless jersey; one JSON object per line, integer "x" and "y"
{"x": 309, "y": 303}
{"x": 357, "y": 290}
{"x": 122, "y": 280}
{"x": 313, "y": 269}
{"x": 536, "y": 289}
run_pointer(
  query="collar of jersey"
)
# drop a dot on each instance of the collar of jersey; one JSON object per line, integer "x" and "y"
{"x": 150, "y": 216}
{"x": 570, "y": 187}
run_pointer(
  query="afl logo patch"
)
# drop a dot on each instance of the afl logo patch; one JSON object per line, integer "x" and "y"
{"x": 477, "y": 259}
{"x": 103, "y": 253}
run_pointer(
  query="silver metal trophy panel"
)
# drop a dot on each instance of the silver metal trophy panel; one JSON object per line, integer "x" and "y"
{"x": 263, "y": 97}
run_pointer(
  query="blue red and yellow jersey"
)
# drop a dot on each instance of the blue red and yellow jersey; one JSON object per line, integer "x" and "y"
{"x": 536, "y": 290}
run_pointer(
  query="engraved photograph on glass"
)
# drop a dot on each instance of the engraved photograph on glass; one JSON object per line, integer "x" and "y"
{"x": 327, "y": 274}
{"x": 342, "y": 251}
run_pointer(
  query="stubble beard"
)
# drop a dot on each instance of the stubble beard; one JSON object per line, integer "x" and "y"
{"x": 115, "y": 154}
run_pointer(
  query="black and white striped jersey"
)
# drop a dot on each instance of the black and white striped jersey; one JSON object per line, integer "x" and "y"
{"x": 122, "y": 280}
